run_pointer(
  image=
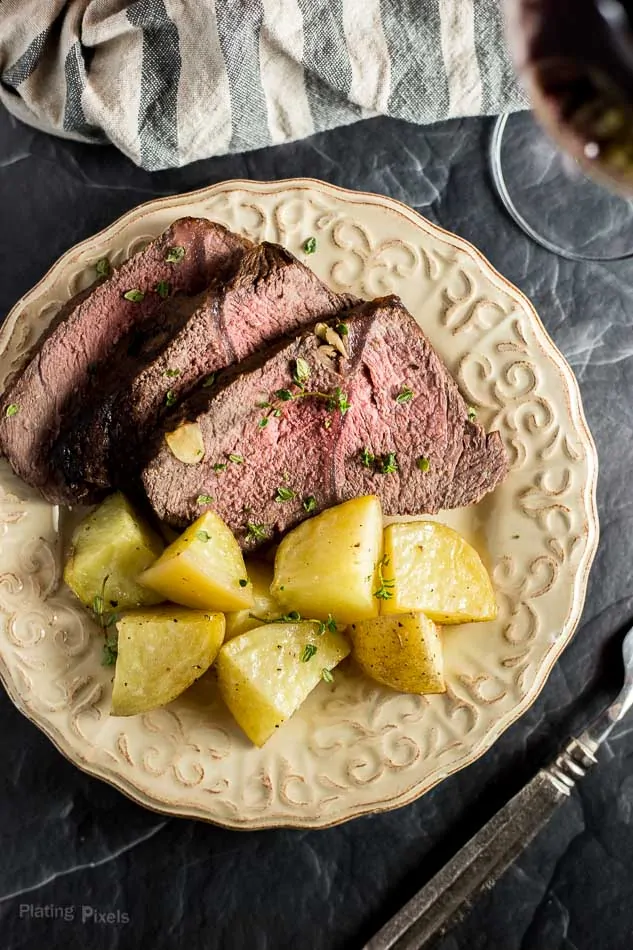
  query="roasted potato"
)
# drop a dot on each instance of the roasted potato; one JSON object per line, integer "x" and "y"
{"x": 429, "y": 567}
{"x": 265, "y": 607}
{"x": 160, "y": 653}
{"x": 402, "y": 651}
{"x": 203, "y": 568}
{"x": 265, "y": 674}
{"x": 327, "y": 565}
{"x": 109, "y": 549}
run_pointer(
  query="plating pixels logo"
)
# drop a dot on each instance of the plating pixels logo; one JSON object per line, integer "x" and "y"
{"x": 69, "y": 912}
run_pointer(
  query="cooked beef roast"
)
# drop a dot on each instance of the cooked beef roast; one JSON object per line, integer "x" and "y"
{"x": 419, "y": 453}
{"x": 83, "y": 337}
{"x": 271, "y": 294}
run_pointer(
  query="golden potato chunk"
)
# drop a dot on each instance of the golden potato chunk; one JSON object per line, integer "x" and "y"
{"x": 203, "y": 568}
{"x": 265, "y": 674}
{"x": 404, "y": 652}
{"x": 431, "y": 568}
{"x": 265, "y": 607}
{"x": 160, "y": 653}
{"x": 109, "y": 549}
{"x": 327, "y": 565}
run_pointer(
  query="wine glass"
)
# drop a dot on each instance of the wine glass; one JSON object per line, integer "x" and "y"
{"x": 568, "y": 186}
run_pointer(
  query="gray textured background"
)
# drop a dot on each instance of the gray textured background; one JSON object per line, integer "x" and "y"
{"x": 67, "y": 839}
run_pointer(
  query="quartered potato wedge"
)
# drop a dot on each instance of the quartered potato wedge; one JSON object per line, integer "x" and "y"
{"x": 264, "y": 675}
{"x": 265, "y": 607}
{"x": 109, "y": 549}
{"x": 404, "y": 652}
{"x": 160, "y": 653}
{"x": 429, "y": 567}
{"x": 203, "y": 568}
{"x": 327, "y": 565}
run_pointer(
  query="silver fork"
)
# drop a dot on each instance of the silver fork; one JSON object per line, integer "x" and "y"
{"x": 448, "y": 896}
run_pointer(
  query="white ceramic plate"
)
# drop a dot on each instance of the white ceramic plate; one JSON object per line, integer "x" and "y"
{"x": 354, "y": 747}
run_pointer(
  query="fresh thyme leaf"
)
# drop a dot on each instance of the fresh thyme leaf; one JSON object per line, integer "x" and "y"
{"x": 309, "y": 503}
{"x": 326, "y": 675}
{"x": 284, "y": 394}
{"x": 209, "y": 381}
{"x": 342, "y": 329}
{"x": 175, "y": 254}
{"x": 331, "y": 623}
{"x": 110, "y": 620}
{"x": 293, "y": 617}
{"x": 405, "y": 395}
{"x": 204, "y": 500}
{"x": 309, "y": 651}
{"x": 243, "y": 582}
{"x": 367, "y": 458}
{"x": 98, "y": 604}
{"x": 237, "y": 459}
{"x": 284, "y": 494}
{"x": 423, "y": 463}
{"x": 262, "y": 405}
{"x": 302, "y": 371}
{"x": 162, "y": 288}
{"x": 103, "y": 268}
{"x": 327, "y": 423}
{"x": 472, "y": 414}
{"x": 320, "y": 628}
{"x": 110, "y": 650}
{"x": 338, "y": 400}
{"x": 276, "y": 413}
{"x": 310, "y": 245}
{"x": 170, "y": 398}
{"x": 258, "y": 532}
{"x": 263, "y": 422}
{"x": 385, "y": 590}
{"x": 171, "y": 373}
{"x": 387, "y": 464}
{"x": 219, "y": 467}
{"x": 203, "y": 536}
{"x": 134, "y": 295}
{"x": 12, "y": 410}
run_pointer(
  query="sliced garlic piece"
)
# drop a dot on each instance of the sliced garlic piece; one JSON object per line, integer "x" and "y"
{"x": 186, "y": 443}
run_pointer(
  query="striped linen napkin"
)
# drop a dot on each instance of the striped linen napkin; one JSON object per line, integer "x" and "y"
{"x": 172, "y": 81}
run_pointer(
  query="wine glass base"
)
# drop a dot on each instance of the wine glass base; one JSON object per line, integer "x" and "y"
{"x": 551, "y": 199}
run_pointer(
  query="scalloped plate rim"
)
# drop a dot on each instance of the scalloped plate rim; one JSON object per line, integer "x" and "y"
{"x": 416, "y": 790}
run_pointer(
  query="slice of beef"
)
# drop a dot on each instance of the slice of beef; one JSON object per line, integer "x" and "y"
{"x": 271, "y": 294}
{"x": 316, "y": 447}
{"x": 55, "y": 380}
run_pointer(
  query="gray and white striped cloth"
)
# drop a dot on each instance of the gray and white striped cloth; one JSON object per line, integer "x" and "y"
{"x": 172, "y": 81}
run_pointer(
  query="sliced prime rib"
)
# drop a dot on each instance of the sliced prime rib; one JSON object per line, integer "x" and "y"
{"x": 270, "y": 295}
{"x": 82, "y": 338}
{"x": 316, "y": 451}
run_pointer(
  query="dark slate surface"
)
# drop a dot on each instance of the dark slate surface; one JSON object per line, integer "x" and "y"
{"x": 69, "y": 841}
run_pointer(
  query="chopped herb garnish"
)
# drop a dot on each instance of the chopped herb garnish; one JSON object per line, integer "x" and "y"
{"x": 263, "y": 422}
{"x": 171, "y": 398}
{"x": 203, "y": 536}
{"x": 326, "y": 675}
{"x": 309, "y": 503}
{"x": 387, "y": 464}
{"x": 292, "y": 617}
{"x": 338, "y": 400}
{"x": 103, "y": 267}
{"x": 237, "y": 459}
{"x": 342, "y": 329}
{"x": 405, "y": 395}
{"x": 423, "y": 463}
{"x": 257, "y": 532}
{"x": 171, "y": 373}
{"x": 385, "y": 590}
{"x": 243, "y": 582}
{"x": 472, "y": 414}
{"x": 284, "y": 394}
{"x": 162, "y": 288}
{"x": 331, "y": 623}
{"x": 175, "y": 254}
{"x": 219, "y": 467}
{"x": 276, "y": 413}
{"x": 327, "y": 423}
{"x": 284, "y": 494}
{"x": 302, "y": 371}
{"x": 110, "y": 650}
{"x": 209, "y": 381}
{"x": 367, "y": 458}
{"x": 204, "y": 500}
{"x": 310, "y": 245}
{"x": 134, "y": 295}
{"x": 12, "y": 410}
{"x": 308, "y": 652}
{"x": 98, "y": 604}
